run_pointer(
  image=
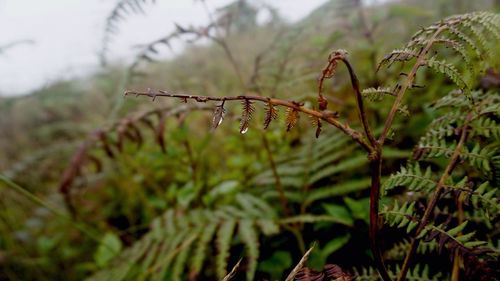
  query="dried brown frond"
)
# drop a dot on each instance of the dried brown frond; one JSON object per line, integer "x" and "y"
{"x": 335, "y": 272}
{"x": 292, "y": 117}
{"x": 101, "y": 134}
{"x": 328, "y": 72}
{"x": 307, "y": 274}
{"x": 246, "y": 115}
{"x": 219, "y": 113}
{"x": 316, "y": 123}
{"x": 271, "y": 114}
{"x": 128, "y": 128}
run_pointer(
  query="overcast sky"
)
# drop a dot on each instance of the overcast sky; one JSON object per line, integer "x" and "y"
{"x": 67, "y": 35}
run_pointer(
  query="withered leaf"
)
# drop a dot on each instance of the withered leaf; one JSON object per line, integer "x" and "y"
{"x": 271, "y": 114}
{"x": 219, "y": 113}
{"x": 292, "y": 117}
{"x": 246, "y": 115}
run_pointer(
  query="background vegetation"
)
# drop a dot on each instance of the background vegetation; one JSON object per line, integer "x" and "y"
{"x": 155, "y": 194}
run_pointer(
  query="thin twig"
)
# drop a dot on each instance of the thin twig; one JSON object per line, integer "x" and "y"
{"x": 231, "y": 274}
{"x": 300, "y": 265}
{"x": 277, "y": 180}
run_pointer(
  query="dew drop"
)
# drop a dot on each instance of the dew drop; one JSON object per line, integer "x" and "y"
{"x": 244, "y": 131}
{"x": 220, "y": 120}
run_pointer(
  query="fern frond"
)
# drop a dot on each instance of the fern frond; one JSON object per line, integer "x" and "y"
{"x": 401, "y": 216}
{"x": 120, "y": 12}
{"x": 224, "y": 238}
{"x": 218, "y": 117}
{"x": 459, "y": 49}
{"x": 246, "y": 115}
{"x": 182, "y": 258}
{"x": 488, "y": 21}
{"x": 398, "y": 55}
{"x": 478, "y": 34}
{"x": 449, "y": 71}
{"x": 180, "y": 242}
{"x": 467, "y": 39}
{"x": 486, "y": 127}
{"x": 250, "y": 239}
{"x": 316, "y": 122}
{"x": 453, "y": 99}
{"x": 420, "y": 273}
{"x": 480, "y": 157}
{"x": 292, "y": 117}
{"x": 413, "y": 178}
{"x": 271, "y": 114}
{"x": 453, "y": 238}
{"x": 484, "y": 197}
{"x": 433, "y": 148}
{"x": 377, "y": 94}
{"x": 366, "y": 274}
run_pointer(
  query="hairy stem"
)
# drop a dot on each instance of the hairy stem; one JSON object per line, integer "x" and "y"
{"x": 441, "y": 186}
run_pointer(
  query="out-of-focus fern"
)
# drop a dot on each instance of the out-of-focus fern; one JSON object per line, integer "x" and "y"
{"x": 318, "y": 160}
{"x": 180, "y": 242}
{"x": 418, "y": 273}
{"x": 461, "y": 33}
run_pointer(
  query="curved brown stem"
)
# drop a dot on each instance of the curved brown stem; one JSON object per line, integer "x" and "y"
{"x": 359, "y": 102}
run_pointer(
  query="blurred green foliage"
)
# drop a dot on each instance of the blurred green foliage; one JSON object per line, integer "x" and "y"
{"x": 208, "y": 172}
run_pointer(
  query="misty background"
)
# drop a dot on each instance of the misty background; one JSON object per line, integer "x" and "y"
{"x": 65, "y": 35}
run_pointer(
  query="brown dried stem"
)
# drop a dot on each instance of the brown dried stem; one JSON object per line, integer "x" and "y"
{"x": 328, "y": 72}
{"x": 324, "y": 115}
{"x": 359, "y": 102}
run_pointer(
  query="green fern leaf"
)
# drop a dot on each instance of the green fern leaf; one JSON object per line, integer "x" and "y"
{"x": 401, "y": 216}
{"x": 201, "y": 247}
{"x": 224, "y": 238}
{"x": 450, "y": 71}
{"x": 250, "y": 239}
{"x": 412, "y": 177}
